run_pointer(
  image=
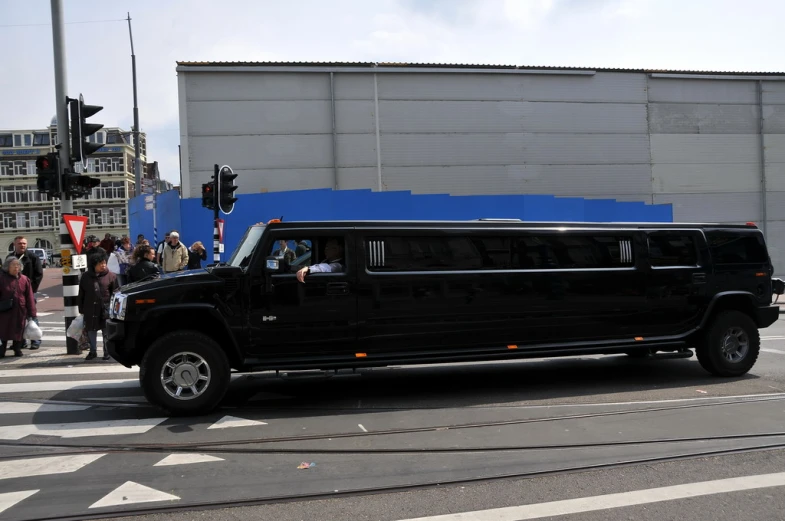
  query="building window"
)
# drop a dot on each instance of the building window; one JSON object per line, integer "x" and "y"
{"x": 35, "y": 219}
{"x": 9, "y": 220}
{"x": 117, "y": 164}
{"x": 21, "y": 220}
{"x": 668, "y": 249}
{"x": 41, "y": 140}
{"x": 48, "y": 218}
{"x": 98, "y": 137}
{"x": 6, "y": 140}
{"x": 20, "y": 167}
{"x": 45, "y": 244}
{"x": 31, "y": 167}
{"x": 23, "y": 140}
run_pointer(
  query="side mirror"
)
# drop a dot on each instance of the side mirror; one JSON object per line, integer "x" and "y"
{"x": 272, "y": 265}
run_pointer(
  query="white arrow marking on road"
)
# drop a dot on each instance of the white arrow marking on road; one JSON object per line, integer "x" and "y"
{"x": 25, "y": 468}
{"x": 609, "y": 501}
{"x": 129, "y": 493}
{"x": 80, "y": 429}
{"x": 9, "y": 499}
{"x": 31, "y": 387}
{"x": 773, "y": 351}
{"x": 31, "y": 407}
{"x": 44, "y": 314}
{"x": 228, "y": 422}
{"x": 186, "y": 459}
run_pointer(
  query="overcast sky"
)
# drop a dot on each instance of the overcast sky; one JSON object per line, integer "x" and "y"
{"x": 719, "y": 35}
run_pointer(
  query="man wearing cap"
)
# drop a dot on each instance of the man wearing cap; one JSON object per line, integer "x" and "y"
{"x": 175, "y": 254}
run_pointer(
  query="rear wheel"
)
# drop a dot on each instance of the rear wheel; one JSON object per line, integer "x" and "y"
{"x": 730, "y": 346}
{"x": 185, "y": 373}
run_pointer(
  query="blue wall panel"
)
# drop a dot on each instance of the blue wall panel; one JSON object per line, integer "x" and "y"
{"x": 167, "y": 215}
{"x": 195, "y": 223}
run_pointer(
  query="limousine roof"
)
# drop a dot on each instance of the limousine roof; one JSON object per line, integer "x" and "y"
{"x": 505, "y": 223}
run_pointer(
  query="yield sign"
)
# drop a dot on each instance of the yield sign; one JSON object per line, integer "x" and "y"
{"x": 76, "y": 227}
{"x": 220, "y": 230}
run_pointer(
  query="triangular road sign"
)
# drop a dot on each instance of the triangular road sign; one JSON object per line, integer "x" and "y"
{"x": 76, "y": 229}
{"x": 220, "y": 230}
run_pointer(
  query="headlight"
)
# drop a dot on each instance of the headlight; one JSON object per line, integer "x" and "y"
{"x": 117, "y": 306}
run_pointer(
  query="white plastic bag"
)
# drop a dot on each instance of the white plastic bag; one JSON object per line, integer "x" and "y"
{"x": 76, "y": 328}
{"x": 114, "y": 264}
{"x": 32, "y": 331}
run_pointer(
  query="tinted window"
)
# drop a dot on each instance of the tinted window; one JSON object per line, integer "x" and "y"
{"x": 672, "y": 250}
{"x": 447, "y": 253}
{"x": 733, "y": 248}
{"x": 573, "y": 252}
{"x": 426, "y": 254}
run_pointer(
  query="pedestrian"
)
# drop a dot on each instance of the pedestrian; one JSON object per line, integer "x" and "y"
{"x": 120, "y": 259}
{"x": 17, "y": 304}
{"x": 32, "y": 269}
{"x": 95, "y": 292}
{"x": 196, "y": 254}
{"x": 175, "y": 255}
{"x": 143, "y": 265}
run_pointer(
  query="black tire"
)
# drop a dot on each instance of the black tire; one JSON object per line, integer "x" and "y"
{"x": 184, "y": 349}
{"x": 710, "y": 349}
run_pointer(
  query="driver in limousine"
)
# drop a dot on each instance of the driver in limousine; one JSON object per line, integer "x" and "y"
{"x": 333, "y": 253}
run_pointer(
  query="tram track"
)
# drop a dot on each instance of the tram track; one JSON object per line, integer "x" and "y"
{"x": 224, "y": 445}
{"x": 288, "y": 498}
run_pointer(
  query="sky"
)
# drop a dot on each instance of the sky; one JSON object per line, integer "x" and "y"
{"x": 705, "y": 35}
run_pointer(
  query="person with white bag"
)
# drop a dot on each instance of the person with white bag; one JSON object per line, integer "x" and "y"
{"x": 17, "y": 306}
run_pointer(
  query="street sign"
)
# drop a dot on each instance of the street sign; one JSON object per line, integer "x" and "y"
{"x": 221, "y": 231}
{"x": 76, "y": 226}
{"x": 148, "y": 206}
{"x": 79, "y": 262}
{"x": 65, "y": 261}
{"x": 148, "y": 198}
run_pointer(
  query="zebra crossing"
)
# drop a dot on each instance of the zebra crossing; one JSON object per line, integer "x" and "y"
{"x": 52, "y": 417}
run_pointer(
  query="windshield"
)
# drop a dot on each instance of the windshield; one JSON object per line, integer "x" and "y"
{"x": 242, "y": 254}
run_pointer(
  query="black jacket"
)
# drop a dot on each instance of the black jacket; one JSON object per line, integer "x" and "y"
{"x": 195, "y": 259}
{"x": 141, "y": 270}
{"x": 31, "y": 268}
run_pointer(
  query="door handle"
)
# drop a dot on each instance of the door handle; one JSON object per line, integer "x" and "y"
{"x": 337, "y": 288}
{"x": 699, "y": 278}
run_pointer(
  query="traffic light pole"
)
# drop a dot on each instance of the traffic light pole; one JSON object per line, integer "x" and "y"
{"x": 70, "y": 276}
{"x": 216, "y": 232}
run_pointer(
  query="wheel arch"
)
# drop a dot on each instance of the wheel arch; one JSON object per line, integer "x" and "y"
{"x": 742, "y": 301}
{"x": 202, "y": 318}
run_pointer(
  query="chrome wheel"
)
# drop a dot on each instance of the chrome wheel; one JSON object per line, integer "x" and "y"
{"x": 185, "y": 376}
{"x": 735, "y": 345}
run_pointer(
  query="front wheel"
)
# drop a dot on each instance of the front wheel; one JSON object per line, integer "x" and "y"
{"x": 730, "y": 346}
{"x": 185, "y": 373}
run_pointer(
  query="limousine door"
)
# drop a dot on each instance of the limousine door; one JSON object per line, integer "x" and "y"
{"x": 676, "y": 281}
{"x": 317, "y": 317}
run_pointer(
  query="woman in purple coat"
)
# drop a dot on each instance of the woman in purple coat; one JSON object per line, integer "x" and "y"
{"x": 14, "y": 285}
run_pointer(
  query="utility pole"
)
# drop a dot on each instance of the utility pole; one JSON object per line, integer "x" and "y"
{"x": 137, "y": 158}
{"x": 70, "y": 276}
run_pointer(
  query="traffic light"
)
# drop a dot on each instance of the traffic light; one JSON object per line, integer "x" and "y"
{"x": 78, "y": 185}
{"x": 226, "y": 188}
{"x": 208, "y": 195}
{"x": 81, "y": 129}
{"x": 47, "y": 168}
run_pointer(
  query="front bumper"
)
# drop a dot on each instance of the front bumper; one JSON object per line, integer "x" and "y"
{"x": 119, "y": 342}
{"x": 766, "y": 316}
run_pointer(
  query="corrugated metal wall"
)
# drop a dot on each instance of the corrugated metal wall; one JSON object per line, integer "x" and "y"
{"x": 694, "y": 143}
